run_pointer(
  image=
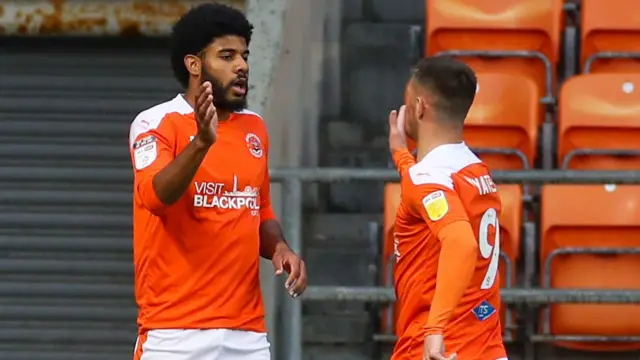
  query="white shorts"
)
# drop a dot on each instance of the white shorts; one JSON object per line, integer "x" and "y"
{"x": 213, "y": 344}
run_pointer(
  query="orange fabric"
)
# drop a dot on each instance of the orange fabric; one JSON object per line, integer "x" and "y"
{"x": 533, "y": 25}
{"x": 418, "y": 253}
{"x": 505, "y": 114}
{"x": 403, "y": 159}
{"x": 456, "y": 265}
{"x": 391, "y": 203}
{"x": 592, "y": 216}
{"x": 594, "y": 109}
{"x": 196, "y": 261}
{"x": 137, "y": 352}
{"x": 510, "y": 235}
{"x": 610, "y": 25}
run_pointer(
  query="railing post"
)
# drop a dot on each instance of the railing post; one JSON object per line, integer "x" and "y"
{"x": 292, "y": 308}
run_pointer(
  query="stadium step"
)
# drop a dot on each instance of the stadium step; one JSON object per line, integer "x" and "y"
{"x": 350, "y": 243}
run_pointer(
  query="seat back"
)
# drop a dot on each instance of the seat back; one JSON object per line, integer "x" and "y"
{"x": 510, "y": 237}
{"x": 610, "y": 26}
{"x": 504, "y": 116}
{"x": 595, "y": 217}
{"x": 510, "y": 228}
{"x": 600, "y": 111}
{"x": 495, "y": 25}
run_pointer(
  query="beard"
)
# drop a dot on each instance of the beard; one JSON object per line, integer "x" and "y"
{"x": 222, "y": 98}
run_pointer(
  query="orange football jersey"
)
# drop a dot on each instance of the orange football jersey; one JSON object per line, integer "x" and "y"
{"x": 196, "y": 262}
{"x": 450, "y": 184}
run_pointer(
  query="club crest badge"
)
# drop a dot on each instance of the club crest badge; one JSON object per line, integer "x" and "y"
{"x": 254, "y": 145}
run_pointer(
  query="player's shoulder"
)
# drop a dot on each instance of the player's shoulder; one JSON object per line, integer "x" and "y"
{"x": 251, "y": 119}
{"x": 253, "y": 124}
{"x": 250, "y": 114}
{"x": 152, "y": 117}
{"x": 438, "y": 166}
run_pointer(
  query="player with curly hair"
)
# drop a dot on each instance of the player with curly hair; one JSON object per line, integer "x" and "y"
{"x": 202, "y": 214}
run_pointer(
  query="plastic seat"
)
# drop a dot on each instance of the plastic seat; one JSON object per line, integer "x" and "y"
{"x": 609, "y": 27}
{"x": 510, "y": 234}
{"x": 499, "y": 25}
{"x": 594, "y": 217}
{"x": 598, "y": 125}
{"x": 504, "y": 118}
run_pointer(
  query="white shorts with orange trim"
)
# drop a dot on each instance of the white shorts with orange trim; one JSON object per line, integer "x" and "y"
{"x": 213, "y": 344}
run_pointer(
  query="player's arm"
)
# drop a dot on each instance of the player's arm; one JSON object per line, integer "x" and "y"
{"x": 165, "y": 182}
{"x": 273, "y": 245}
{"x": 403, "y": 159}
{"x": 271, "y": 235}
{"x": 443, "y": 211}
{"x": 173, "y": 180}
{"x": 160, "y": 176}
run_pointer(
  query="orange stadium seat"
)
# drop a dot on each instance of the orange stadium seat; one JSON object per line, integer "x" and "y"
{"x": 504, "y": 118}
{"x": 597, "y": 217}
{"x": 599, "y": 112}
{"x": 498, "y": 25}
{"x": 510, "y": 235}
{"x": 610, "y": 26}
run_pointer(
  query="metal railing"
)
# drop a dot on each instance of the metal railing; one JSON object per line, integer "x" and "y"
{"x": 292, "y": 180}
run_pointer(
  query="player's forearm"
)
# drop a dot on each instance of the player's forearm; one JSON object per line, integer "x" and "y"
{"x": 403, "y": 159}
{"x": 456, "y": 264}
{"x": 171, "y": 182}
{"x": 271, "y": 238}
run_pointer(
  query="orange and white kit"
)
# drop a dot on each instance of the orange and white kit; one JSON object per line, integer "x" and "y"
{"x": 448, "y": 196}
{"x": 196, "y": 262}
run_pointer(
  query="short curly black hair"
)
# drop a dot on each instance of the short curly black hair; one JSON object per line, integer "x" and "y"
{"x": 197, "y": 28}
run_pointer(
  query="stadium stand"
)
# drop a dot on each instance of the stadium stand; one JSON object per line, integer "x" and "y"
{"x": 505, "y": 142}
{"x": 66, "y": 287}
{"x": 594, "y": 109}
{"x": 588, "y": 233}
{"x": 610, "y": 36}
{"x": 585, "y": 231}
{"x": 513, "y": 36}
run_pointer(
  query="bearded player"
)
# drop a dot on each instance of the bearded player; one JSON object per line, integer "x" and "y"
{"x": 447, "y": 242}
{"x": 202, "y": 205}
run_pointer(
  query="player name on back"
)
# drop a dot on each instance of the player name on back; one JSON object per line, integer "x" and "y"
{"x": 484, "y": 184}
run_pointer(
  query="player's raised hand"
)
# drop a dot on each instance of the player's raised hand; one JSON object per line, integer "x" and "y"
{"x": 397, "y": 135}
{"x": 285, "y": 260}
{"x": 206, "y": 114}
{"x": 434, "y": 348}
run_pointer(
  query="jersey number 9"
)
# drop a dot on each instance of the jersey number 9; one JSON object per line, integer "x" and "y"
{"x": 487, "y": 251}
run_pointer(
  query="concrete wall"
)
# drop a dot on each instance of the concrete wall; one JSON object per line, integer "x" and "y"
{"x": 375, "y": 62}
{"x": 287, "y": 65}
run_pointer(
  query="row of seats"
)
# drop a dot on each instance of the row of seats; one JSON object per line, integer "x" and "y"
{"x": 597, "y": 122}
{"x": 584, "y": 231}
{"x": 514, "y": 46}
{"x": 525, "y": 36}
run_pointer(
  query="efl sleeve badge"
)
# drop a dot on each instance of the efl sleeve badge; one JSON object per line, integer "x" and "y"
{"x": 436, "y": 205}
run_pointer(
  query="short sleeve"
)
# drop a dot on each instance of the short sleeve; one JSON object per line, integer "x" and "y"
{"x": 152, "y": 149}
{"x": 266, "y": 210}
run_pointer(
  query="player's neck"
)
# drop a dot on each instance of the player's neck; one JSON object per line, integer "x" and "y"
{"x": 431, "y": 140}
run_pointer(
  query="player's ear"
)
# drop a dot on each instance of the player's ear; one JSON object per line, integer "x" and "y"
{"x": 420, "y": 107}
{"x": 193, "y": 64}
